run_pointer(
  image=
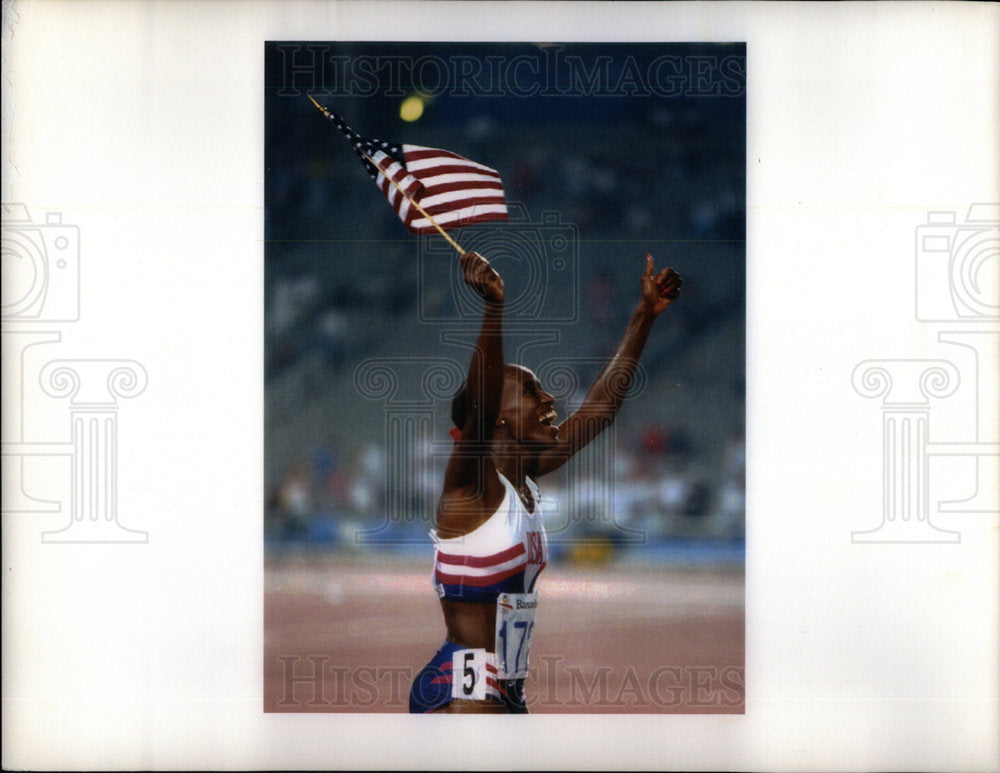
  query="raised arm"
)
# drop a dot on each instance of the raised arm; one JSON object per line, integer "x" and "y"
{"x": 605, "y": 396}
{"x": 467, "y": 491}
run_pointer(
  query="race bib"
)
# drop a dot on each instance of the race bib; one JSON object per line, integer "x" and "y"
{"x": 515, "y": 624}
{"x": 468, "y": 674}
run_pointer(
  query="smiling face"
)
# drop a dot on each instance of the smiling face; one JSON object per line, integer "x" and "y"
{"x": 527, "y": 410}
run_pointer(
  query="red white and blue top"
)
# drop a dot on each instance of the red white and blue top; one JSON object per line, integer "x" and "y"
{"x": 503, "y": 555}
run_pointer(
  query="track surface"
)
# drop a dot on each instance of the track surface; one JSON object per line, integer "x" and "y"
{"x": 347, "y": 634}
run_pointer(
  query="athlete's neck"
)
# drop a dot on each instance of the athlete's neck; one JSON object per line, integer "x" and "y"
{"x": 513, "y": 466}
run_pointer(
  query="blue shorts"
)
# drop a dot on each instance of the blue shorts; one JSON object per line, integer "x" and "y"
{"x": 431, "y": 689}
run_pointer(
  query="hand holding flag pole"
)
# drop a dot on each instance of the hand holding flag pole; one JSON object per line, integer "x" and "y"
{"x": 429, "y": 189}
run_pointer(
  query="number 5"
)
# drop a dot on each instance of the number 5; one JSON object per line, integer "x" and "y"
{"x": 468, "y": 672}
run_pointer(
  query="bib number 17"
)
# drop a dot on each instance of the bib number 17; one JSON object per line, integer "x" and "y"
{"x": 515, "y": 625}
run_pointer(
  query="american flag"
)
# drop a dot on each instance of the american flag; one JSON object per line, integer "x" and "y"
{"x": 452, "y": 190}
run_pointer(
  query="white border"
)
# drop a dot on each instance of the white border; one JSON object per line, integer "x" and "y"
{"x": 142, "y": 122}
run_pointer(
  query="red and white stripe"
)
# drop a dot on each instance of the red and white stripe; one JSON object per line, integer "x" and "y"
{"x": 494, "y": 687}
{"x": 479, "y": 571}
{"x": 453, "y": 190}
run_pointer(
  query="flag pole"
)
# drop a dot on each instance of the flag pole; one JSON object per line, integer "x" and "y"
{"x": 420, "y": 209}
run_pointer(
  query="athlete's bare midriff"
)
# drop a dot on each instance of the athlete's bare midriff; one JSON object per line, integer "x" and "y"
{"x": 470, "y": 624}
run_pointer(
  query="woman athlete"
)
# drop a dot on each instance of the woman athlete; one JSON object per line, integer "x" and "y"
{"x": 489, "y": 543}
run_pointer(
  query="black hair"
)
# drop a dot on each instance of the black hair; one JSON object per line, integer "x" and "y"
{"x": 460, "y": 402}
{"x": 460, "y": 406}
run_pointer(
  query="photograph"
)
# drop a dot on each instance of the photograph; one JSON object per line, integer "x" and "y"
{"x": 485, "y": 364}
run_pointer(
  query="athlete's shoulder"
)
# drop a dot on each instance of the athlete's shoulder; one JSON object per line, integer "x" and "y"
{"x": 464, "y": 509}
